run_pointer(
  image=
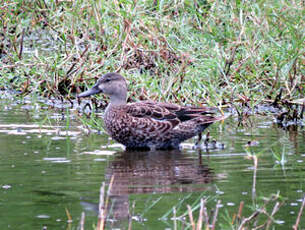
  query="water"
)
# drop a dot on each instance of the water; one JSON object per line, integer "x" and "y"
{"x": 51, "y": 169}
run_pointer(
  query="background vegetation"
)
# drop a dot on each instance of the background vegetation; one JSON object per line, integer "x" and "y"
{"x": 199, "y": 51}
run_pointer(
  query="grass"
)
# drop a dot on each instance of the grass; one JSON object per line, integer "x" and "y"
{"x": 192, "y": 52}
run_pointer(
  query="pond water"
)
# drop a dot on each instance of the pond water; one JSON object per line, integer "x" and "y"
{"x": 51, "y": 171}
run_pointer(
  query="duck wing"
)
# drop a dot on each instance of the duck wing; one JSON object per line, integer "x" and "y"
{"x": 166, "y": 111}
{"x": 185, "y": 113}
{"x": 151, "y": 118}
{"x": 148, "y": 109}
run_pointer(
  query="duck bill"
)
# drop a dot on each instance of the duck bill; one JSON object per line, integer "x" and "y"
{"x": 92, "y": 91}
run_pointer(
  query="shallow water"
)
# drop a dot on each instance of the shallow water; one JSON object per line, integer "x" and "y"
{"x": 51, "y": 169}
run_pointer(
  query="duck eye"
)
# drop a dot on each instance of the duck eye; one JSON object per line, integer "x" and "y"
{"x": 107, "y": 80}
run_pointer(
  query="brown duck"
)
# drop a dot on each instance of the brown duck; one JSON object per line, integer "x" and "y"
{"x": 148, "y": 124}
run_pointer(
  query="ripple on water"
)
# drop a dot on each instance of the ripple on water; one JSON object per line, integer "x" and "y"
{"x": 43, "y": 216}
{"x": 57, "y": 159}
{"x": 100, "y": 152}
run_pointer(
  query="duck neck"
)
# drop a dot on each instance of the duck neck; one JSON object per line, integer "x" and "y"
{"x": 116, "y": 100}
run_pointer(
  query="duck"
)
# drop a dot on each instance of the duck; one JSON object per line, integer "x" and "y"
{"x": 148, "y": 124}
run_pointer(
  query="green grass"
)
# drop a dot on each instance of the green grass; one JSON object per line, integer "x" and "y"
{"x": 189, "y": 52}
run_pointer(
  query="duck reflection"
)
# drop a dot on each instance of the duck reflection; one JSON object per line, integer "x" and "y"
{"x": 157, "y": 172}
{"x": 153, "y": 172}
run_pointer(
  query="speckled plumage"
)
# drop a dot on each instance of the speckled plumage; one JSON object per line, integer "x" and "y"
{"x": 148, "y": 124}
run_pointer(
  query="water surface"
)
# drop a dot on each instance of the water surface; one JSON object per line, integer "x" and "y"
{"x": 51, "y": 168}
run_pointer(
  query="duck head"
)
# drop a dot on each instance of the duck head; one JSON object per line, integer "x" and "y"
{"x": 111, "y": 84}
